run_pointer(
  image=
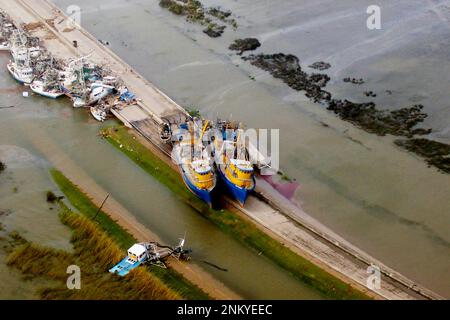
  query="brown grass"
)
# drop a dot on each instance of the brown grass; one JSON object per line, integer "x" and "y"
{"x": 94, "y": 252}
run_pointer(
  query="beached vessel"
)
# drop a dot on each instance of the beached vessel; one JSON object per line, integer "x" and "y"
{"x": 194, "y": 162}
{"x": 44, "y": 89}
{"x": 99, "y": 91}
{"x": 233, "y": 163}
{"x": 23, "y": 74}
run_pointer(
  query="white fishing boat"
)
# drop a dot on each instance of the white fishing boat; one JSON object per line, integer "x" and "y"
{"x": 43, "y": 89}
{"x": 99, "y": 91}
{"x": 23, "y": 74}
{"x": 99, "y": 114}
{"x": 194, "y": 162}
{"x": 5, "y": 46}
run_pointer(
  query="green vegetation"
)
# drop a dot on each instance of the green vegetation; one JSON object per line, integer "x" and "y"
{"x": 94, "y": 252}
{"x": 122, "y": 237}
{"x": 2, "y": 166}
{"x": 230, "y": 223}
{"x": 194, "y": 113}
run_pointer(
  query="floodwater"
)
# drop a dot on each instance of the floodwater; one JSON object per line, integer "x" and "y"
{"x": 35, "y": 123}
{"x": 381, "y": 198}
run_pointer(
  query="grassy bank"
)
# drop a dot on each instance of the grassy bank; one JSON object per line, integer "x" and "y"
{"x": 93, "y": 252}
{"x": 230, "y": 223}
{"x": 123, "y": 238}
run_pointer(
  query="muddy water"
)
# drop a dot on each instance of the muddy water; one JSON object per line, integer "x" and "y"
{"x": 35, "y": 123}
{"x": 380, "y": 198}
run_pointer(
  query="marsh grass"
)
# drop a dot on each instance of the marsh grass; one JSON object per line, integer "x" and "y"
{"x": 121, "y": 238}
{"x": 230, "y": 223}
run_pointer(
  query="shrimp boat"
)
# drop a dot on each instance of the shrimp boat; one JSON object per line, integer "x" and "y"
{"x": 194, "y": 162}
{"x": 23, "y": 74}
{"x": 233, "y": 162}
{"x": 99, "y": 114}
{"x": 47, "y": 90}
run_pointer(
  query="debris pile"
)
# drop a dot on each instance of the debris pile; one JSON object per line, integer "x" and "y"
{"x": 287, "y": 68}
{"x": 194, "y": 11}
{"x": 85, "y": 83}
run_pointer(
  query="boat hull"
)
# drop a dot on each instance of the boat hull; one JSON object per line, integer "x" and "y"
{"x": 238, "y": 193}
{"x": 205, "y": 195}
{"x": 97, "y": 116}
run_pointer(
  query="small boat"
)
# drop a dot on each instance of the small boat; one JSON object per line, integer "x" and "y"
{"x": 99, "y": 114}
{"x": 99, "y": 91}
{"x": 194, "y": 164}
{"x": 23, "y": 74}
{"x": 233, "y": 163}
{"x": 42, "y": 89}
{"x": 5, "y": 46}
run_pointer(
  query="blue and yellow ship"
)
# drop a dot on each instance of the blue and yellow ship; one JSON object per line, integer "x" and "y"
{"x": 233, "y": 164}
{"x": 194, "y": 162}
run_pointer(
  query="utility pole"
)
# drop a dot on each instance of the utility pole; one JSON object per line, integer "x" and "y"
{"x": 100, "y": 209}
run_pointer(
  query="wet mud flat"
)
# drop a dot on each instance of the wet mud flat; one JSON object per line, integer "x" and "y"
{"x": 214, "y": 19}
{"x": 367, "y": 115}
{"x": 242, "y": 45}
{"x": 436, "y": 154}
